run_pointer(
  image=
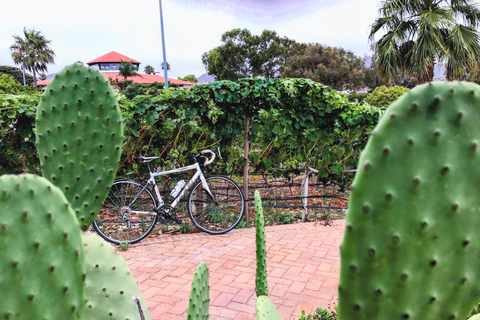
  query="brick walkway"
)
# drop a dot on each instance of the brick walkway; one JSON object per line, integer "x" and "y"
{"x": 302, "y": 260}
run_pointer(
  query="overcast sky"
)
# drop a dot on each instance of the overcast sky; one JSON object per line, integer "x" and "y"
{"x": 85, "y": 30}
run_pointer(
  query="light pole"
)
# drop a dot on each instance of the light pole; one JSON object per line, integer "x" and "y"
{"x": 165, "y": 66}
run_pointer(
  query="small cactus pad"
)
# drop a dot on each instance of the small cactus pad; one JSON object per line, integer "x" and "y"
{"x": 111, "y": 290}
{"x": 41, "y": 257}
{"x": 79, "y": 137}
{"x": 261, "y": 285}
{"x": 266, "y": 309}
{"x": 412, "y": 240}
{"x": 198, "y": 306}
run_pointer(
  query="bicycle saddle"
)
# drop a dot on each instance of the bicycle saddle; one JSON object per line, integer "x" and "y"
{"x": 145, "y": 159}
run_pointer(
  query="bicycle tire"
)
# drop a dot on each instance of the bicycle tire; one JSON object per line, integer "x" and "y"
{"x": 111, "y": 224}
{"x": 218, "y": 215}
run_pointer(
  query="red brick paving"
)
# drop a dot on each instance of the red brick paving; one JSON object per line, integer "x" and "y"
{"x": 303, "y": 264}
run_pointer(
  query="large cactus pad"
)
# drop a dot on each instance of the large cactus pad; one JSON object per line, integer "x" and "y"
{"x": 111, "y": 290}
{"x": 411, "y": 244}
{"x": 42, "y": 264}
{"x": 79, "y": 136}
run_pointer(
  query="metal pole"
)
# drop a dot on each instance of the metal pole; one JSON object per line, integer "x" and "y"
{"x": 165, "y": 66}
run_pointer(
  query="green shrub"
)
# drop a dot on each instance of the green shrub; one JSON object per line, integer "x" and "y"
{"x": 8, "y": 85}
{"x": 359, "y": 97}
{"x": 383, "y": 96}
{"x": 320, "y": 314}
{"x": 17, "y": 74}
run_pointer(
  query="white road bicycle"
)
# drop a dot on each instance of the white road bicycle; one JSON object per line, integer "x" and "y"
{"x": 215, "y": 205}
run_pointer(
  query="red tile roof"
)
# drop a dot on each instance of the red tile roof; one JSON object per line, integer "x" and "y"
{"x": 112, "y": 57}
{"x": 145, "y": 78}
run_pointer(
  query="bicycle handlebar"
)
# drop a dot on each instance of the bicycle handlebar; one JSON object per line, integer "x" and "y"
{"x": 212, "y": 157}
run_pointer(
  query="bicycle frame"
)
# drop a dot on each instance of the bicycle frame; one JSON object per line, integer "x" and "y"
{"x": 152, "y": 181}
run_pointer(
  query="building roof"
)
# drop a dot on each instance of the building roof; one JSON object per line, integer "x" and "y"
{"x": 145, "y": 78}
{"x": 112, "y": 57}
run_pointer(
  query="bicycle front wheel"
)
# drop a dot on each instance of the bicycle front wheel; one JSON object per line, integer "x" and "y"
{"x": 128, "y": 213}
{"x": 220, "y": 211}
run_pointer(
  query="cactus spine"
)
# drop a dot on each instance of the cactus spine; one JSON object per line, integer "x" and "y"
{"x": 411, "y": 243}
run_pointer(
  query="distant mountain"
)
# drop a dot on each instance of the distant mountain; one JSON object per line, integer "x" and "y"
{"x": 204, "y": 78}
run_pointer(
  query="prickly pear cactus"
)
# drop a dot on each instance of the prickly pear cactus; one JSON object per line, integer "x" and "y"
{"x": 412, "y": 239}
{"x": 42, "y": 264}
{"x": 266, "y": 310}
{"x": 79, "y": 135}
{"x": 111, "y": 290}
{"x": 261, "y": 285}
{"x": 198, "y": 306}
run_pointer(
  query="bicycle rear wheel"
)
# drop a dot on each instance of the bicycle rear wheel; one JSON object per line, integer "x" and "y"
{"x": 128, "y": 213}
{"x": 220, "y": 213}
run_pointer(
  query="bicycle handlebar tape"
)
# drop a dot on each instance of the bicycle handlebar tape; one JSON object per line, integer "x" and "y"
{"x": 198, "y": 306}
{"x": 412, "y": 240}
{"x": 79, "y": 137}
{"x": 261, "y": 284}
{"x": 111, "y": 290}
{"x": 42, "y": 265}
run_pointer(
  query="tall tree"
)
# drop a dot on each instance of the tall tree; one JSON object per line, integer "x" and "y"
{"x": 168, "y": 66}
{"x": 33, "y": 52}
{"x": 17, "y": 74}
{"x": 243, "y": 55}
{"x": 148, "y": 69}
{"x": 189, "y": 77}
{"x": 420, "y": 33}
{"x": 126, "y": 69}
{"x": 335, "y": 67}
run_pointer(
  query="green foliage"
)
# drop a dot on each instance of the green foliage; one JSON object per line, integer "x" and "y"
{"x": 140, "y": 89}
{"x": 383, "y": 96}
{"x": 17, "y": 74}
{"x": 8, "y": 85}
{"x": 357, "y": 97}
{"x": 293, "y": 121}
{"x": 416, "y": 34}
{"x": 243, "y": 55}
{"x": 319, "y": 314}
{"x": 17, "y": 139}
{"x": 334, "y": 67}
{"x": 189, "y": 77}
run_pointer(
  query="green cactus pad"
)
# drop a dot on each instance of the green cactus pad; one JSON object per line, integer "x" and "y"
{"x": 41, "y": 258}
{"x": 266, "y": 309}
{"x": 111, "y": 290}
{"x": 198, "y": 306}
{"x": 412, "y": 239}
{"x": 261, "y": 285}
{"x": 79, "y": 137}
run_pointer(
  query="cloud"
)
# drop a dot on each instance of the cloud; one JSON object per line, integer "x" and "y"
{"x": 89, "y": 29}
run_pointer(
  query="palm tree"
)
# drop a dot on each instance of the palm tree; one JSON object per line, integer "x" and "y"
{"x": 127, "y": 69}
{"x": 168, "y": 66}
{"x": 420, "y": 33}
{"x": 148, "y": 69}
{"x": 33, "y": 52}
